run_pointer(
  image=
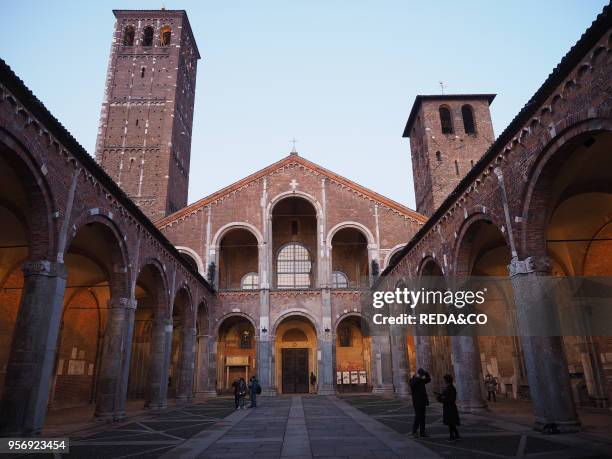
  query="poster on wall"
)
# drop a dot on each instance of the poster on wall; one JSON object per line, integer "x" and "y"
{"x": 363, "y": 379}
{"x": 354, "y": 377}
{"x": 346, "y": 379}
{"x": 338, "y": 377}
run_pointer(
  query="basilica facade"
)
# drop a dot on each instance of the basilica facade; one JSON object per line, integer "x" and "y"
{"x": 113, "y": 288}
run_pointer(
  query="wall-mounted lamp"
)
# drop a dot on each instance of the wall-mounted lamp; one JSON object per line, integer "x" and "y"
{"x": 326, "y": 329}
{"x": 264, "y": 330}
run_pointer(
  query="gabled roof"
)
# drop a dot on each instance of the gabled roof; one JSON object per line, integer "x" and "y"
{"x": 425, "y": 97}
{"x": 292, "y": 158}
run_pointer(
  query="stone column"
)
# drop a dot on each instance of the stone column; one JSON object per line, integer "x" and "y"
{"x": 325, "y": 348}
{"x": 399, "y": 357}
{"x": 205, "y": 385}
{"x": 115, "y": 359}
{"x": 33, "y": 348}
{"x": 382, "y": 371}
{"x": 161, "y": 345}
{"x": 401, "y": 367}
{"x": 594, "y": 374}
{"x": 184, "y": 392}
{"x": 468, "y": 374}
{"x": 265, "y": 343}
{"x": 549, "y": 382}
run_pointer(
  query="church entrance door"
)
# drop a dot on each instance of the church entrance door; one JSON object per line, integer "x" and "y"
{"x": 295, "y": 371}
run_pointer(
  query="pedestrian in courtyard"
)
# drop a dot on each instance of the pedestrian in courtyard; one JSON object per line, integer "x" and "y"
{"x": 236, "y": 386}
{"x": 420, "y": 401}
{"x": 491, "y": 385}
{"x": 450, "y": 413}
{"x": 242, "y": 390}
{"x": 254, "y": 389}
{"x": 313, "y": 382}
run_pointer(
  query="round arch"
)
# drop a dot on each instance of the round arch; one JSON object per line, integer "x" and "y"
{"x": 299, "y": 312}
{"x": 394, "y": 251}
{"x": 221, "y": 232}
{"x": 542, "y": 174}
{"x": 193, "y": 254}
{"x": 219, "y": 322}
{"x": 350, "y": 224}
{"x": 295, "y": 194}
{"x": 41, "y": 234}
{"x": 458, "y": 264}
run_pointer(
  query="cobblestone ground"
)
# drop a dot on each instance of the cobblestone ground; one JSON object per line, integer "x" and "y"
{"x": 482, "y": 436}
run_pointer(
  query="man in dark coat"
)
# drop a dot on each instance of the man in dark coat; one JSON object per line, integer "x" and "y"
{"x": 419, "y": 401}
{"x": 450, "y": 414}
{"x": 236, "y": 387}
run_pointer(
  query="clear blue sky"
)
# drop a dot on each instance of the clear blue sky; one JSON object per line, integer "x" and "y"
{"x": 339, "y": 75}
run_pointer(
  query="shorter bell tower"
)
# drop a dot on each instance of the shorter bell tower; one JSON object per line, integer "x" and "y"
{"x": 448, "y": 135}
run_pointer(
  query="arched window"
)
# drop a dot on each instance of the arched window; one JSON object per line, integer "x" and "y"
{"x": 293, "y": 266}
{"x": 339, "y": 280}
{"x": 164, "y": 36}
{"x": 128, "y": 36}
{"x": 250, "y": 281}
{"x": 468, "y": 119}
{"x": 446, "y": 120}
{"x": 438, "y": 156}
{"x": 147, "y": 36}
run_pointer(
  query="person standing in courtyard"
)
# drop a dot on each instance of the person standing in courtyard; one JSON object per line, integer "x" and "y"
{"x": 450, "y": 413}
{"x": 242, "y": 390}
{"x": 236, "y": 386}
{"x": 313, "y": 382}
{"x": 491, "y": 385}
{"x": 254, "y": 389}
{"x": 420, "y": 401}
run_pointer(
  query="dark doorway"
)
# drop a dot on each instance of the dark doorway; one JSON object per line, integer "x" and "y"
{"x": 295, "y": 371}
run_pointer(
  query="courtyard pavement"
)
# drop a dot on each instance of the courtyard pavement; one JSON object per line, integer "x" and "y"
{"x": 347, "y": 426}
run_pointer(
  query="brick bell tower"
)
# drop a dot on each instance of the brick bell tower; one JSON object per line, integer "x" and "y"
{"x": 448, "y": 135}
{"x": 144, "y": 138}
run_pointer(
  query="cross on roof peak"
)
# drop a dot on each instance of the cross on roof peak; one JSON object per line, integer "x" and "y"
{"x": 293, "y": 150}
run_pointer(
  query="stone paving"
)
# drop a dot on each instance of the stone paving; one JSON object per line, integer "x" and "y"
{"x": 154, "y": 434}
{"x": 349, "y": 427}
{"x": 483, "y": 436}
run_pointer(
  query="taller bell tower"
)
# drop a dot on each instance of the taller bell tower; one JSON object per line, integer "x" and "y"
{"x": 144, "y": 138}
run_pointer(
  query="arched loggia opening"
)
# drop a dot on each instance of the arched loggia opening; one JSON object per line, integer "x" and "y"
{"x": 294, "y": 243}
{"x": 31, "y": 288}
{"x": 96, "y": 263}
{"x": 484, "y": 253}
{"x": 350, "y": 259}
{"x": 477, "y": 238}
{"x": 571, "y": 214}
{"x": 296, "y": 355}
{"x": 147, "y": 365}
{"x": 238, "y": 260}
{"x": 236, "y": 352}
{"x": 353, "y": 356}
{"x": 180, "y": 374}
{"x": 433, "y": 347}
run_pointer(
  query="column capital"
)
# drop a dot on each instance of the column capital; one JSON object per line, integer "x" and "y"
{"x": 536, "y": 264}
{"x": 44, "y": 268}
{"x": 122, "y": 303}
